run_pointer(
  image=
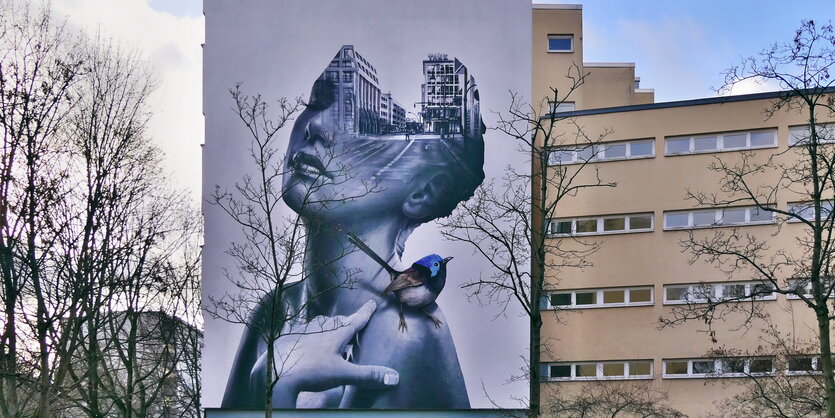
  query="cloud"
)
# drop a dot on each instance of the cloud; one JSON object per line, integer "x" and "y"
{"x": 172, "y": 45}
{"x": 752, "y": 85}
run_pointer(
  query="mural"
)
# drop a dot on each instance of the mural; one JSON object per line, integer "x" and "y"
{"x": 363, "y": 180}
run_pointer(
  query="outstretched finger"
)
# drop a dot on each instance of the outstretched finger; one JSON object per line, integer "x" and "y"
{"x": 370, "y": 376}
{"x": 357, "y": 321}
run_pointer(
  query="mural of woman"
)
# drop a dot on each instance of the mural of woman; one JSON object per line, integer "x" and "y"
{"x": 344, "y": 175}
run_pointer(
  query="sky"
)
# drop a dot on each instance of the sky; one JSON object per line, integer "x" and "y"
{"x": 679, "y": 47}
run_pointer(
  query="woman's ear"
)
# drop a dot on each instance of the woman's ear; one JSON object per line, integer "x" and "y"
{"x": 426, "y": 199}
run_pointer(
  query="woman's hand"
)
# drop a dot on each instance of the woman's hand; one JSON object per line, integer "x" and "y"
{"x": 308, "y": 357}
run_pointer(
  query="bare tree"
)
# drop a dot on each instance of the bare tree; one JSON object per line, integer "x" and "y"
{"x": 611, "y": 399}
{"x": 508, "y": 223}
{"x": 804, "y": 178}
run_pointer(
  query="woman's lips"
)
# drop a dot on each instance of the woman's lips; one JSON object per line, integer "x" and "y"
{"x": 309, "y": 165}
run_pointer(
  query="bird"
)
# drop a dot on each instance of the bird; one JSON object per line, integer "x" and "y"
{"x": 416, "y": 287}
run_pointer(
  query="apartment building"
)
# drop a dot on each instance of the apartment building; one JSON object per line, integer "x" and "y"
{"x": 608, "y": 327}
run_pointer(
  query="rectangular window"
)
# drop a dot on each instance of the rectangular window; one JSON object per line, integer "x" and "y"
{"x": 610, "y": 224}
{"x": 802, "y": 135}
{"x": 347, "y": 76}
{"x": 804, "y": 287}
{"x": 560, "y": 43}
{"x": 601, "y": 370}
{"x": 601, "y": 298}
{"x": 677, "y": 294}
{"x": 806, "y": 210}
{"x": 738, "y": 216}
{"x": 610, "y": 151}
{"x": 803, "y": 365}
{"x": 711, "y": 368}
{"x": 727, "y": 141}
{"x": 560, "y": 107}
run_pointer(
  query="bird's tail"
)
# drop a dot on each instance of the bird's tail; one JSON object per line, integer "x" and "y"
{"x": 366, "y": 249}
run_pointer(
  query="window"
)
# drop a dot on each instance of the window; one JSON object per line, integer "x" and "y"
{"x": 600, "y": 298}
{"x": 806, "y": 210}
{"x": 609, "y": 151}
{"x": 803, "y": 365}
{"x": 725, "y": 367}
{"x": 347, "y": 76}
{"x": 561, "y": 107}
{"x": 749, "y": 215}
{"x": 801, "y": 134}
{"x": 610, "y": 224}
{"x": 804, "y": 287}
{"x": 728, "y": 141}
{"x": 560, "y": 43}
{"x": 601, "y": 370}
{"x": 676, "y": 294}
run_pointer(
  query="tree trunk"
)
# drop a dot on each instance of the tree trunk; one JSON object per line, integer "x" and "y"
{"x": 535, "y": 358}
{"x": 826, "y": 360}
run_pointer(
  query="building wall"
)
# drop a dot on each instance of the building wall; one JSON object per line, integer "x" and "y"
{"x": 655, "y": 185}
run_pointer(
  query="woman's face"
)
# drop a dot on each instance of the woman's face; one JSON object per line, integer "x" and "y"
{"x": 338, "y": 177}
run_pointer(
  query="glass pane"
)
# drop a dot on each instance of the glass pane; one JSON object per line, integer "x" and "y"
{"x": 704, "y": 218}
{"x": 733, "y": 216}
{"x": 733, "y": 291}
{"x": 704, "y": 367}
{"x": 561, "y": 371}
{"x": 700, "y": 292}
{"x": 640, "y": 295}
{"x": 561, "y": 156}
{"x": 675, "y": 367}
{"x": 678, "y": 146}
{"x": 804, "y": 210}
{"x": 798, "y": 135}
{"x": 640, "y": 222}
{"x": 675, "y": 293}
{"x": 762, "y": 290}
{"x": 560, "y": 227}
{"x": 734, "y": 141}
{"x": 705, "y": 143}
{"x": 762, "y": 138}
{"x": 640, "y": 368}
{"x": 586, "y": 298}
{"x": 613, "y": 296}
{"x": 613, "y": 369}
{"x": 800, "y": 364}
{"x": 760, "y": 365}
{"x": 673, "y": 220}
{"x": 559, "y": 44}
{"x": 615, "y": 151}
{"x": 614, "y": 224}
{"x": 560, "y": 299}
{"x": 585, "y": 370}
{"x": 588, "y": 225}
{"x": 640, "y": 149}
{"x": 735, "y": 365}
{"x": 759, "y": 215}
{"x": 586, "y": 154}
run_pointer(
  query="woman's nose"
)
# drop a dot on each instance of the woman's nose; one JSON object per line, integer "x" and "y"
{"x": 315, "y": 134}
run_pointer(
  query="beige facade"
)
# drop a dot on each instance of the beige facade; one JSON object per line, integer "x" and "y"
{"x": 605, "y": 328}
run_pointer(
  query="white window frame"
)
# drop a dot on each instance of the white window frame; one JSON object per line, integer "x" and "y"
{"x": 717, "y": 218}
{"x": 600, "y": 152}
{"x": 627, "y": 296}
{"x": 561, "y": 104}
{"x": 816, "y": 365}
{"x": 599, "y": 370}
{"x": 715, "y": 292}
{"x": 796, "y": 131}
{"x": 808, "y": 293}
{"x": 600, "y": 222}
{"x": 795, "y": 207}
{"x": 718, "y": 367}
{"x": 563, "y": 36}
{"x": 720, "y": 142}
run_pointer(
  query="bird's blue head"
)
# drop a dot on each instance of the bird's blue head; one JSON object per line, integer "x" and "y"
{"x": 434, "y": 263}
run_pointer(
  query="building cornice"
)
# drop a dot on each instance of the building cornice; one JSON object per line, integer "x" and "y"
{"x": 549, "y": 6}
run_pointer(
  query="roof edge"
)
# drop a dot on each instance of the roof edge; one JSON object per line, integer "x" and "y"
{"x": 550, "y": 6}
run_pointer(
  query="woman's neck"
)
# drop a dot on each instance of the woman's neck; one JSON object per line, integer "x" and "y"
{"x": 339, "y": 276}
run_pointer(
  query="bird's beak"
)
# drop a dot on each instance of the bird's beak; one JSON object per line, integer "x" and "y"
{"x": 446, "y": 260}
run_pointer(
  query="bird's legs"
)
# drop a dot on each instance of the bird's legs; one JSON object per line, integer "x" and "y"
{"x": 435, "y": 321}
{"x": 402, "y": 327}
